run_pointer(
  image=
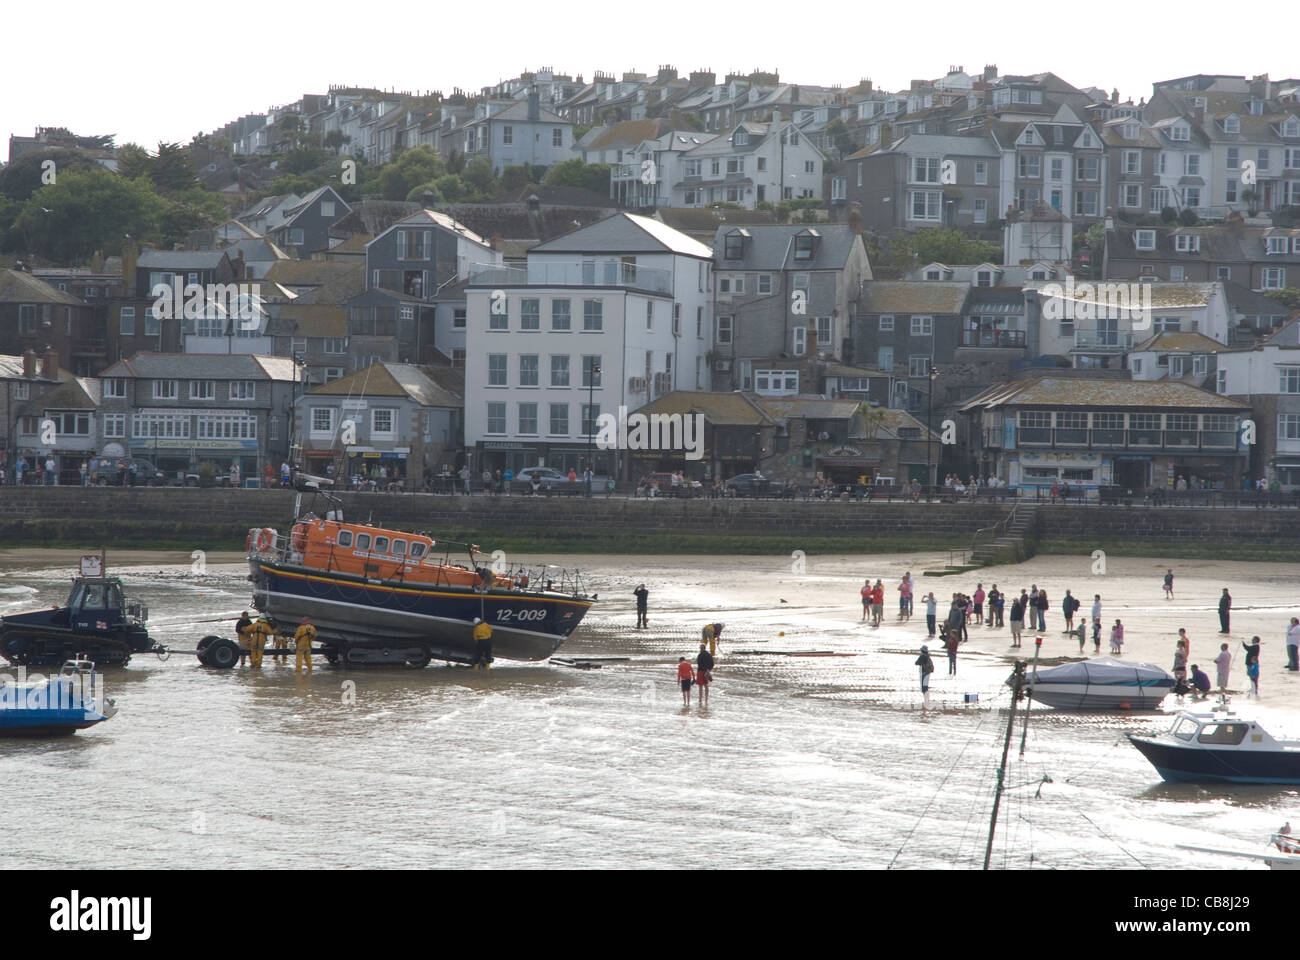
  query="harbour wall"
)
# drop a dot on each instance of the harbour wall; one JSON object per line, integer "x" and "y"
{"x": 220, "y": 519}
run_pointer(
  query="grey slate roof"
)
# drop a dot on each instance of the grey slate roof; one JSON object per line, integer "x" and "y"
{"x": 928, "y": 144}
{"x": 209, "y": 366}
{"x": 181, "y": 259}
{"x": 626, "y": 233}
{"x": 771, "y": 247}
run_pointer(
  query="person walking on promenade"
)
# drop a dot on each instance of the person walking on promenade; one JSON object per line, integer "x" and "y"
{"x": 951, "y": 644}
{"x": 1068, "y": 606}
{"x": 1017, "y": 618}
{"x": 977, "y": 601}
{"x": 866, "y": 599}
{"x": 1293, "y": 644}
{"x": 642, "y": 598}
{"x": 1222, "y": 664}
{"x": 1041, "y": 607}
{"x": 464, "y": 479}
{"x": 303, "y": 639}
{"x": 1225, "y": 605}
{"x": 931, "y": 609}
{"x": 1252, "y": 663}
{"x": 1169, "y": 585}
{"x": 703, "y": 674}
{"x": 926, "y": 666}
{"x": 685, "y": 677}
{"x": 1117, "y": 638}
{"x": 905, "y": 597}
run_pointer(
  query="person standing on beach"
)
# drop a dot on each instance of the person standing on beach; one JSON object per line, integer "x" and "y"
{"x": 931, "y": 608}
{"x": 1225, "y": 605}
{"x": 685, "y": 677}
{"x": 977, "y": 599}
{"x": 1252, "y": 663}
{"x": 1017, "y": 618}
{"x": 905, "y": 597}
{"x": 642, "y": 599}
{"x": 1117, "y": 638}
{"x": 1185, "y": 640}
{"x": 1222, "y": 664}
{"x": 703, "y": 674}
{"x": 1180, "y": 661}
{"x": 1096, "y": 635}
{"x": 1169, "y": 585}
{"x": 926, "y": 666}
{"x": 1041, "y": 607}
{"x": 1082, "y": 631}
{"x": 1068, "y": 606}
{"x": 866, "y": 599}
{"x": 1096, "y": 608}
{"x": 993, "y": 598}
{"x": 953, "y": 641}
{"x": 877, "y": 603}
{"x": 1293, "y": 644}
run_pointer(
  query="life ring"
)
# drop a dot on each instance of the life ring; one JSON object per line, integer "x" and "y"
{"x": 265, "y": 538}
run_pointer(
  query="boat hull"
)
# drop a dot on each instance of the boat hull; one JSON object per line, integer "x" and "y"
{"x": 1094, "y": 696}
{"x": 1195, "y": 764}
{"x": 362, "y": 619}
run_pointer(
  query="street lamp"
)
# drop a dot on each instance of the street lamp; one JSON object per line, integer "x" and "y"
{"x": 592, "y": 373}
{"x": 929, "y": 431}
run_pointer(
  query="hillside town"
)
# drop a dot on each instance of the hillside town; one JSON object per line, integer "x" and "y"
{"x": 1000, "y": 278}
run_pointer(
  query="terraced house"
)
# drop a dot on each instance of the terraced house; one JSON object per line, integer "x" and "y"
{"x": 1267, "y": 376}
{"x": 753, "y": 163}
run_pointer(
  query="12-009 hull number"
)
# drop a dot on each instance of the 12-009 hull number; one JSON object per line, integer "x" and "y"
{"x": 521, "y": 616}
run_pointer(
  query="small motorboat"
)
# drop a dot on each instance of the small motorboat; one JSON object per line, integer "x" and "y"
{"x": 1286, "y": 858}
{"x": 1101, "y": 684}
{"x": 1219, "y": 747}
{"x": 55, "y": 706}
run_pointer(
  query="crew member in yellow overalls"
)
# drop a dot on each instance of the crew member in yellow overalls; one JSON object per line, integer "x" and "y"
{"x": 257, "y": 635}
{"x": 482, "y": 644}
{"x": 282, "y": 638}
{"x": 303, "y": 640}
{"x": 242, "y": 627}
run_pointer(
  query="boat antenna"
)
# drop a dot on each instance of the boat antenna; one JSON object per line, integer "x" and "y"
{"x": 1029, "y": 696}
{"x": 1017, "y": 683}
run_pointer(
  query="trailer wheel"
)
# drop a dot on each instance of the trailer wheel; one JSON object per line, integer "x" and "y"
{"x": 222, "y": 653}
{"x": 419, "y": 661}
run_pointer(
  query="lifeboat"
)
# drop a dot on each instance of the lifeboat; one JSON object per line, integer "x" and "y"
{"x": 378, "y": 595}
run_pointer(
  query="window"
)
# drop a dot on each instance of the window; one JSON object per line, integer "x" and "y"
{"x": 1137, "y": 363}
{"x": 1132, "y": 161}
{"x": 1276, "y": 245}
{"x": 1144, "y": 239}
{"x": 1187, "y": 243}
{"x": 507, "y": 138}
{"x": 803, "y": 246}
{"x": 591, "y": 363}
{"x": 1192, "y": 164}
{"x": 924, "y": 204}
{"x": 735, "y": 165}
{"x": 593, "y": 313}
{"x": 126, "y": 322}
{"x": 1230, "y": 190}
{"x": 764, "y": 283}
{"x": 383, "y": 422}
{"x": 677, "y": 319}
{"x": 1029, "y": 166}
{"x": 918, "y": 366}
{"x": 530, "y": 314}
{"x": 886, "y": 322}
{"x": 885, "y": 358}
{"x": 528, "y": 370}
{"x": 457, "y": 320}
{"x": 590, "y": 416}
{"x": 528, "y": 418}
{"x": 322, "y": 421}
{"x": 496, "y": 417}
{"x": 1224, "y": 273}
{"x": 1231, "y": 125}
{"x": 203, "y": 389}
{"x": 1289, "y": 380}
{"x": 735, "y": 246}
{"x": 1288, "y": 426}
{"x": 922, "y": 326}
{"x": 557, "y": 140}
{"x": 497, "y": 376}
{"x": 114, "y": 387}
{"x": 800, "y": 345}
{"x": 925, "y": 169}
{"x": 1085, "y": 203}
{"x": 699, "y": 319}
{"x": 498, "y": 313}
{"x": 164, "y": 390}
{"x": 1085, "y": 168}
{"x": 1133, "y": 195}
{"x": 363, "y": 542}
{"x": 560, "y": 370}
{"x": 838, "y": 188}
{"x": 1027, "y": 198}
{"x": 160, "y": 425}
{"x": 724, "y": 329}
{"x": 336, "y": 373}
{"x": 981, "y": 172}
{"x": 776, "y": 382}
{"x": 73, "y": 424}
{"x": 824, "y": 332}
{"x": 1192, "y": 196}
{"x": 242, "y": 389}
{"x": 560, "y": 319}
{"x": 981, "y": 210}
{"x": 228, "y": 426}
{"x": 559, "y": 421}
{"x": 1273, "y": 278}
{"x": 114, "y": 425}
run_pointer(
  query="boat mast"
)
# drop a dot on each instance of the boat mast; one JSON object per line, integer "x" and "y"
{"x": 1018, "y": 680}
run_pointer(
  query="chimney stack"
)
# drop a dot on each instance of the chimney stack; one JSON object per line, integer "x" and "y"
{"x": 855, "y": 216}
{"x": 496, "y": 241}
{"x": 534, "y": 111}
{"x": 50, "y": 365}
{"x": 29, "y": 363}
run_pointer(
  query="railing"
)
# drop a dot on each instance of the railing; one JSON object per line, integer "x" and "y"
{"x": 1002, "y": 525}
{"x": 992, "y": 338}
{"x": 1102, "y": 340}
{"x": 542, "y": 272}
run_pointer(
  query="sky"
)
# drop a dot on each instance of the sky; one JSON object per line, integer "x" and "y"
{"x": 111, "y": 71}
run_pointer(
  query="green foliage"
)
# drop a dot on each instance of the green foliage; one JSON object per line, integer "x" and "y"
{"x": 1188, "y": 217}
{"x": 839, "y": 133}
{"x": 943, "y": 245}
{"x": 307, "y": 159}
{"x": 20, "y": 179}
{"x": 575, "y": 173}
{"x": 1168, "y": 214}
{"x": 1288, "y": 297}
{"x": 478, "y": 174}
{"x": 453, "y": 189}
{"x": 133, "y": 161}
{"x": 91, "y": 210}
{"x": 412, "y": 168}
{"x": 335, "y": 140}
{"x": 1095, "y": 236}
{"x": 431, "y": 187}
{"x": 514, "y": 178}
{"x": 171, "y": 169}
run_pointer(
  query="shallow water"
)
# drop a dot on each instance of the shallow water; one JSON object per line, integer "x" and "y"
{"x": 798, "y": 762}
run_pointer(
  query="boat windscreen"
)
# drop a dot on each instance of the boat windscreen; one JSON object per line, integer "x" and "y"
{"x": 1223, "y": 733}
{"x": 1184, "y": 728}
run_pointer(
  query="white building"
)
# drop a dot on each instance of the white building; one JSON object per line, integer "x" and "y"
{"x": 627, "y": 297}
{"x": 754, "y": 163}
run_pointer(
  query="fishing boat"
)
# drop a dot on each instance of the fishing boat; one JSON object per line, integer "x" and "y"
{"x": 378, "y": 595}
{"x": 1287, "y": 856}
{"x": 98, "y": 623}
{"x": 1219, "y": 747}
{"x": 1101, "y": 684}
{"x": 55, "y": 706}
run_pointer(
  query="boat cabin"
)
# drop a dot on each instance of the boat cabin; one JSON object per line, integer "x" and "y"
{"x": 1220, "y": 729}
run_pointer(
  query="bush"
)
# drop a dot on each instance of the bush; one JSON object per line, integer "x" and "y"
{"x": 1188, "y": 217}
{"x": 1168, "y": 214}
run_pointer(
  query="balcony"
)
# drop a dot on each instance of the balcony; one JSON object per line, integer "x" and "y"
{"x": 993, "y": 338}
{"x": 572, "y": 273}
{"x": 1102, "y": 341}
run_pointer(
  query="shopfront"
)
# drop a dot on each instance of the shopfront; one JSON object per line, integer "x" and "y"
{"x": 373, "y": 464}
{"x": 175, "y": 455}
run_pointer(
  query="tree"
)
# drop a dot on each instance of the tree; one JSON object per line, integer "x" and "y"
{"x": 478, "y": 174}
{"x": 1288, "y": 297}
{"x": 452, "y": 188}
{"x": 1188, "y": 217}
{"x": 89, "y": 210}
{"x": 171, "y": 170}
{"x": 24, "y": 176}
{"x": 839, "y": 133}
{"x": 414, "y": 167}
{"x": 1095, "y": 236}
{"x": 942, "y": 245}
{"x": 290, "y": 127}
{"x": 335, "y": 140}
{"x": 575, "y": 173}
{"x": 133, "y": 161}
{"x": 514, "y": 178}
{"x": 1168, "y": 214}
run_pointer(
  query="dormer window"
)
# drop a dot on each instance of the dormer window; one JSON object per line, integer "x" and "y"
{"x": 735, "y": 245}
{"x": 933, "y": 275}
{"x": 983, "y": 278}
{"x": 1179, "y": 131}
{"x": 804, "y": 244}
{"x": 1130, "y": 131}
{"x": 1231, "y": 125}
{"x": 741, "y": 138}
{"x": 1187, "y": 243}
{"x": 1277, "y": 245}
{"x": 1256, "y": 108}
{"x": 1087, "y": 139}
{"x": 1291, "y": 128}
{"x": 1144, "y": 239}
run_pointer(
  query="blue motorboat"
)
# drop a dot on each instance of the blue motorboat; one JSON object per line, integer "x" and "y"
{"x": 1220, "y": 747}
{"x": 54, "y": 706}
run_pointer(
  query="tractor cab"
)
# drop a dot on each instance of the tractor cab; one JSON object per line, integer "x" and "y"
{"x": 98, "y": 604}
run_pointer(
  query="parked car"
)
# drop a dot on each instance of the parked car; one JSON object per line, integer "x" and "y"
{"x": 749, "y": 485}
{"x": 548, "y": 477}
{"x": 146, "y": 472}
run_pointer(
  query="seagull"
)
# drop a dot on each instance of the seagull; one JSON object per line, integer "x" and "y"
{"x": 46, "y": 210}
